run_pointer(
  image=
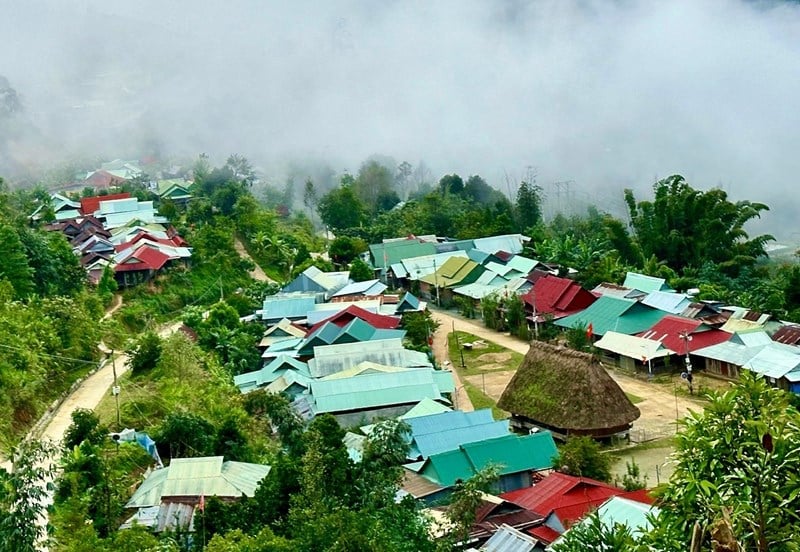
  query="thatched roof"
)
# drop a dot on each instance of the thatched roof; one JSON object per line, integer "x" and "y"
{"x": 567, "y": 391}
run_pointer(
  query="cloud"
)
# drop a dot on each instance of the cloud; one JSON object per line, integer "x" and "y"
{"x": 607, "y": 94}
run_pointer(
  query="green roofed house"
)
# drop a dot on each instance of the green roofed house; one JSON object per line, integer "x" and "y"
{"x": 188, "y": 480}
{"x": 375, "y": 393}
{"x": 355, "y": 331}
{"x": 280, "y": 366}
{"x": 646, "y": 284}
{"x": 624, "y": 316}
{"x": 516, "y": 456}
{"x": 456, "y": 271}
{"x": 174, "y": 189}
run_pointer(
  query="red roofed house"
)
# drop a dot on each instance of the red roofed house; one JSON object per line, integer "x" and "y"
{"x": 345, "y": 316}
{"x": 565, "y": 499}
{"x": 90, "y": 205}
{"x": 139, "y": 265}
{"x": 552, "y": 298}
{"x": 684, "y": 335}
{"x": 789, "y": 334}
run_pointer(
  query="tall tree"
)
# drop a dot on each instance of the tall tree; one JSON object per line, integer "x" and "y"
{"x": 686, "y": 227}
{"x": 15, "y": 268}
{"x": 528, "y": 207}
{"x": 341, "y": 208}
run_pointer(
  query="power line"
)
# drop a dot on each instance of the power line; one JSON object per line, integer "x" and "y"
{"x": 92, "y": 362}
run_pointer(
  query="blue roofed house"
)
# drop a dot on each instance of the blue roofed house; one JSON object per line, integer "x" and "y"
{"x": 291, "y": 306}
{"x": 368, "y": 288}
{"x": 410, "y": 303}
{"x": 445, "y": 431}
{"x": 510, "y": 243}
{"x": 667, "y": 301}
{"x": 330, "y": 359}
{"x": 355, "y": 331}
{"x": 62, "y": 206}
{"x": 727, "y": 359}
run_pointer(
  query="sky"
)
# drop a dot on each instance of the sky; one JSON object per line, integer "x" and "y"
{"x": 605, "y": 95}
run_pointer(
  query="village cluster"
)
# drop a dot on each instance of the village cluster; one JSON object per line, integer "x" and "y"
{"x": 336, "y": 346}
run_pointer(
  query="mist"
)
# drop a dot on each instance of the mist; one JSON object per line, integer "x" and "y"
{"x": 606, "y": 95}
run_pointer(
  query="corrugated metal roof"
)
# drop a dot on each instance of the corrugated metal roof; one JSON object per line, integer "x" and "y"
{"x": 271, "y": 371}
{"x": 512, "y": 243}
{"x": 417, "y": 267}
{"x": 323, "y": 311}
{"x": 392, "y": 252}
{"x": 618, "y": 510}
{"x": 368, "y": 288}
{"x": 375, "y": 390}
{"x": 773, "y": 362}
{"x": 365, "y": 367}
{"x": 477, "y": 291}
{"x": 512, "y": 453}
{"x": 452, "y": 272}
{"x": 424, "y": 407}
{"x": 329, "y": 359}
{"x": 671, "y": 329}
{"x": 450, "y": 438}
{"x": 611, "y": 290}
{"x": 671, "y": 302}
{"x": 292, "y": 306}
{"x": 408, "y": 303}
{"x": 508, "y": 539}
{"x": 195, "y": 477}
{"x": 644, "y": 283}
{"x": 522, "y": 264}
{"x": 632, "y": 347}
{"x": 788, "y": 334}
{"x": 612, "y": 314}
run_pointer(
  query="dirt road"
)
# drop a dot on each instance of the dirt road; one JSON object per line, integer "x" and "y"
{"x": 440, "y": 352}
{"x": 257, "y": 273}
{"x": 660, "y": 406}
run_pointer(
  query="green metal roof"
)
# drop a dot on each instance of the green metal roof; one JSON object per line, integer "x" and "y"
{"x": 612, "y": 314}
{"x": 175, "y": 188}
{"x": 195, "y": 477}
{"x": 454, "y": 271}
{"x": 389, "y": 253}
{"x": 511, "y": 453}
{"x": 645, "y": 283}
{"x": 271, "y": 371}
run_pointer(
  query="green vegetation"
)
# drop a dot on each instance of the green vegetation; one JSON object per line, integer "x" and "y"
{"x": 483, "y": 353}
{"x": 583, "y": 457}
{"x": 480, "y": 400}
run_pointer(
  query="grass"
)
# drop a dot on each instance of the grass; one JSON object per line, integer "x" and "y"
{"x": 480, "y": 400}
{"x": 473, "y": 364}
{"x": 635, "y": 399}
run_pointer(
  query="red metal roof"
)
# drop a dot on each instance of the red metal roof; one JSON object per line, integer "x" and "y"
{"x": 544, "y": 534}
{"x": 345, "y": 316}
{"x": 89, "y": 205}
{"x": 559, "y": 490}
{"x": 670, "y": 328}
{"x": 149, "y": 258}
{"x": 788, "y": 334}
{"x": 558, "y": 297}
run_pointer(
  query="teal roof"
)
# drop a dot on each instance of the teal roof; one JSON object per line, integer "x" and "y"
{"x": 511, "y": 453}
{"x": 291, "y": 306}
{"x": 612, "y": 314}
{"x": 617, "y": 510}
{"x": 446, "y": 431}
{"x": 355, "y": 331}
{"x": 409, "y": 302}
{"x": 647, "y": 284}
{"x": 380, "y": 389}
{"x": 271, "y": 371}
{"x": 389, "y": 253}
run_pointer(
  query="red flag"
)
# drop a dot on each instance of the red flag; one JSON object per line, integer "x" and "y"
{"x": 202, "y": 504}
{"x": 589, "y": 331}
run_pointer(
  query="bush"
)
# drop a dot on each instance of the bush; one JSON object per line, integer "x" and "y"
{"x": 581, "y": 456}
{"x": 145, "y": 354}
{"x": 85, "y": 427}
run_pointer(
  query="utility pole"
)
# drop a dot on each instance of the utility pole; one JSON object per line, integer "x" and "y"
{"x": 115, "y": 387}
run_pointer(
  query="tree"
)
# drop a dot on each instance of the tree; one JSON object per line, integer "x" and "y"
{"x": 465, "y": 500}
{"x": 374, "y": 186}
{"x": 310, "y": 198}
{"x": 685, "y": 227}
{"x": 85, "y": 427}
{"x": 341, "y": 208}
{"x": 345, "y": 248}
{"x": 593, "y": 534}
{"x": 144, "y": 355}
{"x": 451, "y": 184}
{"x": 419, "y": 327}
{"x": 361, "y": 271}
{"x": 23, "y": 496}
{"x": 737, "y": 464}
{"x": 14, "y": 267}
{"x": 528, "y": 207}
{"x": 581, "y": 456}
{"x": 183, "y": 434}
{"x": 107, "y": 285}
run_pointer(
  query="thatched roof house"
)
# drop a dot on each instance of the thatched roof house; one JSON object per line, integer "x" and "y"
{"x": 567, "y": 392}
